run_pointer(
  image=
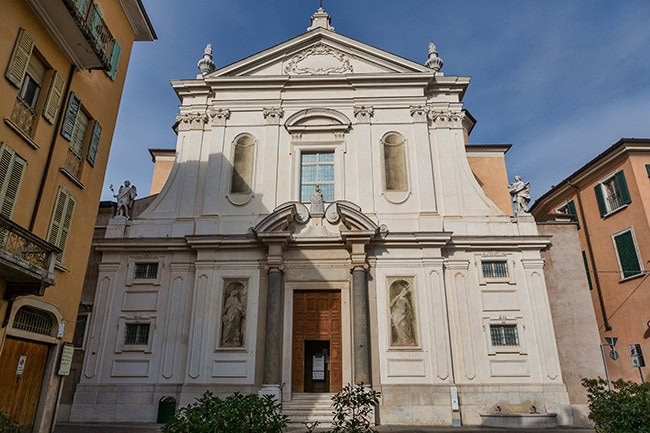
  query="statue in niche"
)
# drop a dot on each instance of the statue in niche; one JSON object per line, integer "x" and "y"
{"x": 520, "y": 192}
{"x": 402, "y": 316}
{"x": 317, "y": 207}
{"x": 125, "y": 197}
{"x": 234, "y": 315}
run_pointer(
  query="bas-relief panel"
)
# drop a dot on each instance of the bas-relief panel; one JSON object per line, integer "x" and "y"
{"x": 401, "y": 295}
{"x": 233, "y": 316}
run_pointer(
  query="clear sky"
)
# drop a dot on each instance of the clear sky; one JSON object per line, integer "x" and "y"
{"x": 561, "y": 80}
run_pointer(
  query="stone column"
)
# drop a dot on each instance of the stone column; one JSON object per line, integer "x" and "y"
{"x": 361, "y": 326}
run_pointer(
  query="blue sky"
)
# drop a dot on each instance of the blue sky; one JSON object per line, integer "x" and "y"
{"x": 561, "y": 80}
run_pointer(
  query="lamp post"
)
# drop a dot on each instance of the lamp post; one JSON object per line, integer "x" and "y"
{"x": 611, "y": 342}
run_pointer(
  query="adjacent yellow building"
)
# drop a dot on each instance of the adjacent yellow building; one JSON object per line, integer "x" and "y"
{"x": 64, "y": 63}
{"x": 609, "y": 198}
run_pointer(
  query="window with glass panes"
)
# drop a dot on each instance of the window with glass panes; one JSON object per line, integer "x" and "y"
{"x": 495, "y": 269}
{"x": 145, "y": 271}
{"x": 136, "y": 334}
{"x": 317, "y": 168}
{"x": 504, "y": 335}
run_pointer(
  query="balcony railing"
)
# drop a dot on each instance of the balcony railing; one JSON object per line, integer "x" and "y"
{"x": 73, "y": 164}
{"x": 90, "y": 22}
{"x": 23, "y": 116}
{"x": 26, "y": 261}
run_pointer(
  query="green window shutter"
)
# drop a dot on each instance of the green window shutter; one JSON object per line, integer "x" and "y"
{"x": 602, "y": 207}
{"x": 622, "y": 187}
{"x": 115, "y": 59}
{"x": 82, "y": 7}
{"x": 12, "y": 169}
{"x": 584, "y": 260}
{"x": 647, "y": 169}
{"x": 61, "y": 221}
{"x": 571, "y": 207}
{"x": 95, "y": 20}
{"x": 627, "y": 256}
{"x": 20, "y": 58}
{"x": 54, "y": 97}
{"x": 94, "y": 143}
{"x": 70, "y": 116}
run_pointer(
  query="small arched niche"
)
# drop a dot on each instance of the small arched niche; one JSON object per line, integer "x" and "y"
{"x": 243, "y": 164}
{"x": 396, "y": 185}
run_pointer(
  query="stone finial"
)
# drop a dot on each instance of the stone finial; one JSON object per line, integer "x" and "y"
{"x": 434, "y": 62}
{"x": 321, "y": 19}
{"x": 205, "y": 64}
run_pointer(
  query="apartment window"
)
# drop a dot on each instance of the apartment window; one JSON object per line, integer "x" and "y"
{"x": 12, "y": 169}
{"x": 242, "y": 165}
{"x": 612, "y": 194}
{"x": 83, "y": 133}
{"x": 145, "y": 271}
{"x": 317, "y": 168}
{"x": 494, "y": 269}
{"x": 627, "y": 254}
{"x": 34, "y": 320}
{"x": 395, "y": 176}
{"x": 61, "y": 221}
{"x": 504, "y": 335}
{"x": 570, "y": 209}
{"x": 136, "y": 334}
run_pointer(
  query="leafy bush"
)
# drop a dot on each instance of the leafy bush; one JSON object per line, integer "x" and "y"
{"x": 624, "y": 409}
{"x": 352, "y": 406}
{"x": 8, "y": 426}
{"x": 238, "y": 413}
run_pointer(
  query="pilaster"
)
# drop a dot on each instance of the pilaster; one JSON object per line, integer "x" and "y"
{"x": 365, "y": 188}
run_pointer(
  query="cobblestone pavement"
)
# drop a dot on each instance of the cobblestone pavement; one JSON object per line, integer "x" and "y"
{"x": 155, "y": 428}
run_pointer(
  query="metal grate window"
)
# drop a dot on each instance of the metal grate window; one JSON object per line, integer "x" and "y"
{"x": 495, "y": 269}
{"x": 504, "y": 335}
{"x": 145, "y": 271}
{"x": 33, "y": 320}
{"x": 136, "y": 334}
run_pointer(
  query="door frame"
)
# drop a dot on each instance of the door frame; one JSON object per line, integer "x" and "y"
{"x": 346, "y": 328}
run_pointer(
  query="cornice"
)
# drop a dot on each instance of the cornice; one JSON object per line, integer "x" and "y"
{"x": 499, "y": 242}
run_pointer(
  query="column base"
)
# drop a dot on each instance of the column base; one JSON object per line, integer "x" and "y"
{"x": 273, "y": 390}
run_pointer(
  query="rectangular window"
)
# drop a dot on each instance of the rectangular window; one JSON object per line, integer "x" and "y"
{"x": 627, "y": 253}
{"x": 75, "y": 128}
{"x": 612, "y": 194}
{"x": 136, "y": 334}
{"x": 317, "y": 168}
{"x": 145, "y": 271}
{"x": 504, "y": 335}
{"x": 495, "y": 269}
{"x": 61, "y": 221}
{"x": 570, "y": 209}
{"x": 12, "y": 169}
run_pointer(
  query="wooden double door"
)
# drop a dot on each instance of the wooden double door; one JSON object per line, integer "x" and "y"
{"x": 317, "y": 358}
{"x": 22, "y": 366}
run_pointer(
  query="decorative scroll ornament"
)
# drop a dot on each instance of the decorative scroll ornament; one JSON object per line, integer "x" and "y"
{"x": 363, "y": 113}
{"x": 273, "y": 114}
{"x": 446, "y": 116}
{"x": 419, "y": 112}
{"x": 319, "y": 59}
{"x": 219, "y": 115}
{"x": 192, "y": 120}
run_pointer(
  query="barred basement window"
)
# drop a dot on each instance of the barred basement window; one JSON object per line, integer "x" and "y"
{"x": 145, "y": 271}
{"x": 495, "y": 269}
{"x": 504, "y": 335}
{"x": 33, "y": 320}
{"x": 136, "y": 334}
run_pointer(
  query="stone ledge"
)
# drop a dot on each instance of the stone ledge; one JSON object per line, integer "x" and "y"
{"x": 519, "y": 420}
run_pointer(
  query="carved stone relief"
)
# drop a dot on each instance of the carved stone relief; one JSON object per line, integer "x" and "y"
{"x": 233, "y": 315}
{"x": 219, "y": 116}
{"x": 363, "y": 113}
{"x": 402, "y": 313}
{"x": 192, "y": 120}
{"x": 318, "y": 60}
{"x": 272, "y": 115}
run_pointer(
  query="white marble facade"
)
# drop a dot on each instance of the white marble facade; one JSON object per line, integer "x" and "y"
{"x": 228, "y": 253}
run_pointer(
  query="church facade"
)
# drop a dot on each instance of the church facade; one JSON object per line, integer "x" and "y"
{"x": 325, "y": 222}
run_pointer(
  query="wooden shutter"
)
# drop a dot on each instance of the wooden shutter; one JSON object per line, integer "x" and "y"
{"x": 61, "y": 221}
{"x": 11, "y": 182}
{"x": 627, "y": 256}
{"x": 54, "y": 97}
{"x": 82, "y": 7}
{"x": 79, "y": 134}
{"x": 602, "y": 207}
{"x": 622, "y": 187}
{"x": 70, "y": 116}
{"x": 571, "y": 208}
{"x": 94, "y": 143}
{"x": 20, "y": 58}
{"x": 115, "y": 59}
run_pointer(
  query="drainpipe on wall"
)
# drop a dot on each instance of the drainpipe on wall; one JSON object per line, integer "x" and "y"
{"x": 590, "y": 249}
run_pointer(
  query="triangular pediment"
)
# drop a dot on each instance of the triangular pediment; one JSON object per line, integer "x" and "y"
{"x": 320, "y": 52}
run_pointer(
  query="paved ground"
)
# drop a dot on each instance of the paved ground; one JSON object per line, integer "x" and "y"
{"x": 155, "y": 428}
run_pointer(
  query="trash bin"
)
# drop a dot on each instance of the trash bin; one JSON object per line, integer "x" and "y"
{"x": 166, "y": 409}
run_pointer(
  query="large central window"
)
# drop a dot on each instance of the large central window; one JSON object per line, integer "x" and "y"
{"x": 317, "y": 168}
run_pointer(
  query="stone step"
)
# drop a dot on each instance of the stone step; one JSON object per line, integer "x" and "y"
{"x": 309, "y": 407}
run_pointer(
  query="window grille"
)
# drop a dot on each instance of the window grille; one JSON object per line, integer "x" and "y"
{"x": 504, "y": 335}
{"x": 145, "y": 271}
{"x": 495, "y": 269}
{"x": 136, "y": 334}
{"x": 33, "y": 320}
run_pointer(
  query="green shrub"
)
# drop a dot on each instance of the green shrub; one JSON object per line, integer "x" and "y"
{"x": 624, "y": 409}
{"x": 238, "y": 413}
{"x": 352, "y": 406}
{"x": 8, "y": 426}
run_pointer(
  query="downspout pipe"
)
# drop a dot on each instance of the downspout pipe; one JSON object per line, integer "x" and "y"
{"x": 601, "y": 300}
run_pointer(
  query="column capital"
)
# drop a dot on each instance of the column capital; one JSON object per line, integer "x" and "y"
{"x": 272, "y": 115}
{"x": 219, "y": 116}
{"x": 363, "y": 113}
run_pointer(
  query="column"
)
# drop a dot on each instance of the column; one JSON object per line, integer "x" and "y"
{"x": 361, "y": 326}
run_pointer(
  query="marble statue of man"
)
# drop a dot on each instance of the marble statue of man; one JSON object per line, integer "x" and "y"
{"x": 520, "y": 192}
{"x": 125, "y": 198}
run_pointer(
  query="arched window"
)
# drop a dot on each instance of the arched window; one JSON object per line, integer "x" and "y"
{"x": 34, "y": 320}
{"x": 395, "y": 177}
{"x": 242, "y": 165}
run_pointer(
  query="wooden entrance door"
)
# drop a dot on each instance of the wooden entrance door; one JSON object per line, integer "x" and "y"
{"x": 19, "y": 393}
{"x": 317, "y": 317}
